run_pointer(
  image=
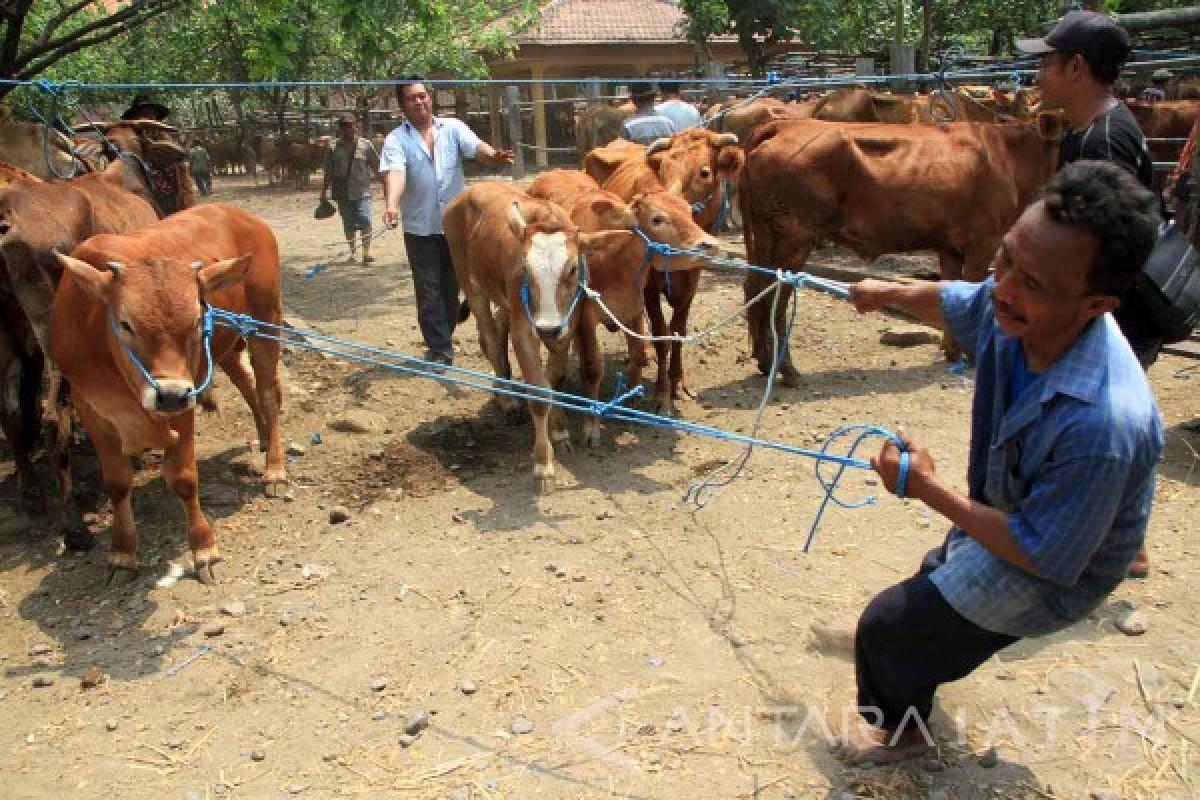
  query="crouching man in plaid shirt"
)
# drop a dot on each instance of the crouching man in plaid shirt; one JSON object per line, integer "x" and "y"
{"x": 1065, "y": 434}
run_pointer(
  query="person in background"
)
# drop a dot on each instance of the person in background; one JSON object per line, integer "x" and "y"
{"x": 1157, "y": 91}
{"x": 201, "y": 165}
{"x": 681, "y": 113}
{"x": 144, "y": 107}
{"x": 351, "y": 165}
{"x": 646, "y": 124}
{"x": 1081, "y": 58}
{"x": 422, "y": 163}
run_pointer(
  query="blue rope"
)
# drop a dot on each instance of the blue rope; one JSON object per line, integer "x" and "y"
{"x": 319, "y": 267}
{"x": 460, "y": 376}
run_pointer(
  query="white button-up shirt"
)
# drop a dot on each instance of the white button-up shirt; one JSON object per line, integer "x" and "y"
{"x": 431, "y": 181}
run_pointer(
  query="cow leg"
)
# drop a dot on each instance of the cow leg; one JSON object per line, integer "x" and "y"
{"x": 493, "y": 341}
{"x": 685, "y": 291}
{"x": 264, "y": 358}
{"x": 117, "y": 471}
{"x": 637, "y": 350}
{"x": 591, "y": 364}
{"x": 237, "y": 366}
{"x": 556, "y": 375}
{"x": 179, "y": 470}
{"x": 660, "y": 400}
{"x": 15, "y": 420}
{"x": 529, "y": 357}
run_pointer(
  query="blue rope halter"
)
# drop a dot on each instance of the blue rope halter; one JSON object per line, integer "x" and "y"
{"x": 206, "y": 334}
{"x": 579, "y": 291}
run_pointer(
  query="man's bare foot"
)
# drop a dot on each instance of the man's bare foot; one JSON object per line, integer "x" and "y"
{"x": 833, "y": 641}
{"x": 860, "y": 743}
{"x": 1140, "y": 568}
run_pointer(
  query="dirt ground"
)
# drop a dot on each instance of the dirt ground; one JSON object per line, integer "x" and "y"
{"x": 605, "y": 640}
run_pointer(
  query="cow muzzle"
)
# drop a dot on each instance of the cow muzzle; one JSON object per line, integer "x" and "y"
{"x": 169, "y": 396}
{"x": 551, "y": 333}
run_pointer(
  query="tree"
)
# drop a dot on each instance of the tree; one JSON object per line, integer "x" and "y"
{"x": 35, "y": 36}
{"x": 760, "y": 25}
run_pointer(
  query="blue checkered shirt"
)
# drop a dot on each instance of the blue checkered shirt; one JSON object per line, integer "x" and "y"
{"x": 1072, "y": 463}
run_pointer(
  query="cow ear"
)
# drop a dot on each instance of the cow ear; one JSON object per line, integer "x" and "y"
{"x": 516, "y": 220}
{"x": 95, "y": 282}
{"x": 1051, "y": 125}
{"x": 220, "y": 274}
{"x": 730, "y": 161}
{"x": 603, "y": 205}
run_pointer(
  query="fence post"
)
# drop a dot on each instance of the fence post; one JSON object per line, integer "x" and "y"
{"x": 512, "y": 106}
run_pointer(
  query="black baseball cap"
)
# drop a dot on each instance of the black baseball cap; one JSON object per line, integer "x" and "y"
{"x": 1096, "y": 37}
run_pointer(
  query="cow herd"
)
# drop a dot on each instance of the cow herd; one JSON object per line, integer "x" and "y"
{"x": 108, "y": 278}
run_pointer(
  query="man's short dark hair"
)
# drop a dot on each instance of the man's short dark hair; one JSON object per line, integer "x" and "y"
{"x": 346, "y": 119}
{"x": 670, "y": 87}
{"x": 642, "y": 92}
{"x": 407, "y": 80}
{"x": 1114, "y": 207}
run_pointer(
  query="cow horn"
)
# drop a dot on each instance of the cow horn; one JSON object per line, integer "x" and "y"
{"x": 94, "y": 126}
{"x": 197, "y": 265}
{"x": 724, "y": 139}
{"x": 116, "y": 267}
{"x": 658, "y": 144}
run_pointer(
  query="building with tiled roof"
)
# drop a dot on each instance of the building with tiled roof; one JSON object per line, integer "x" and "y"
{"x": 574, "y": 39}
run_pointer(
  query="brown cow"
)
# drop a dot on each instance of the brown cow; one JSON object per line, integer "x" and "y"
{"x": 26, "y": 145}
{"x": 696, "y": 164}
{"x": 953, "y": 189}
{"x": 133, "y": 307}
{"x": 864, "y": 105}
{"x": 522, "y": 255}
{"x": 1167, "y": 119}
{"x": 38, "y": 219}
{"x": 618, "y": 268}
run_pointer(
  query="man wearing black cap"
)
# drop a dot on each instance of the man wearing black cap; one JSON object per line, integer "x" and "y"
{"x": 144, "y": 107}
{"x": 1081, "y": 59}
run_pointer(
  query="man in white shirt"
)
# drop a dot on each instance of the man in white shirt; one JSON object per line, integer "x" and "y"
{"x": 681, "y": 113}
{"x": 422, "y": 166}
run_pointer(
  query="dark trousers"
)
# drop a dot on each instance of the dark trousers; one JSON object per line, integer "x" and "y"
{"x": 909, "y": 642}
{"x": 436, "y": 289}
{"x": 203, "y": 182}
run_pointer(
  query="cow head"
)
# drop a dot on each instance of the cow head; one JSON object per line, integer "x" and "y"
{"x": 553, "y": 276}
{"x": 160, "y": 159}
{"x": 666, "y": 217}
{"x": 695, "y": 162}
{"x": 155, "y": 314}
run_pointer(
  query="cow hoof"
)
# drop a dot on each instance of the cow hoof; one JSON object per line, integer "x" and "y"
{"x": 789, "y": 377}
{"x": 562, "y": 444}
{"x": 78, "y": 540}
{"x": 543, "y": 478}
{"x": 205, "y": 572}
{"x": 275, "y": 485}
{"x": 663, "y": 405}
{"x": 591, "y": 438}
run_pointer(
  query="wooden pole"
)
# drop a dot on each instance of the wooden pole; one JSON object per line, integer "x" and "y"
{"x": 538, "y": 97}
{"x": 512, "y": 104}
{"x": 1167, "y": 18}
{"x": 495, "y": 119}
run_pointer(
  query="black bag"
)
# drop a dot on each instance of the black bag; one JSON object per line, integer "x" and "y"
{"x": 1169, "y": 285}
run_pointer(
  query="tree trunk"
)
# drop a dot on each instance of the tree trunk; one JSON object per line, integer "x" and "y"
{"x": 926, "y": 34}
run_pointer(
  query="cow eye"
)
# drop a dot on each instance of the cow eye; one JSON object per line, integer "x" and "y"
{"x": 659, "y": 219}
{"x": 705, "y": 173}
{"x": 125, "y": 326}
